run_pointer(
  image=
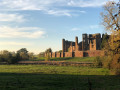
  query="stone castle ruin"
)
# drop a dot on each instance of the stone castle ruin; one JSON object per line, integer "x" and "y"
{"x": 90, "y": 46}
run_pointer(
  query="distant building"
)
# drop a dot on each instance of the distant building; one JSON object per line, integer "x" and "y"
{"x": 89, "y": 42}
{"x": 90, "y": 46}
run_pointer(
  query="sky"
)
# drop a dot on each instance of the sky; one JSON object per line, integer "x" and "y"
{"x": 41, "y": 24}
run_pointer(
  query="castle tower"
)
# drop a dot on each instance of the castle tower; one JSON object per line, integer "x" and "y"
{"x": 71, "y": 46}
{"x": 84, "y": 42}
{"x": 76, "y": 44}
{"x": 98, "y": 41}
{"x": 76, "y": 40}
{"x": 63, "y": 45}
{"x": 95, "y": 42}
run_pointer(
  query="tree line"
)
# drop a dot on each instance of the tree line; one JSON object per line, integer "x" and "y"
{"x": 12, "y": 57}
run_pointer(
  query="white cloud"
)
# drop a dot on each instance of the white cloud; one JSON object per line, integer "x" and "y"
{"x": 53, "y": 7}
{"x": 24, "y": 32}
{"x": 15, "y": 43}
{"x": 83, "y": 3}
{"x": 59, "y": 12}
{"x": 44, "y": 4}
{"x": 64, "y": 12}
{"x": 94, "y": 26}
{"x": 88, "y": 3}
{"x": 11, "y": 17}
{"x": 76, "y": 29}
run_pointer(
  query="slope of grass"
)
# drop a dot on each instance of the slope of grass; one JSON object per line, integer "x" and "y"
{"x": 45, "y": 77}
{"x": 71, "y": 59}
{"x": 50, "y": 69}
{"x": 10, "y": 81}
{"x": 75, "y": 59}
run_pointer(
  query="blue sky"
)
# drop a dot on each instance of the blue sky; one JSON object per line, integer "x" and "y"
{"x": 41, "y": 24}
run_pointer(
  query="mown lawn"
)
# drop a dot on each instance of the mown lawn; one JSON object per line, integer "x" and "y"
{"x": 75, "y": 59}
{"x": 50, "y": 69}
{"x": 71, "y": 59}
{"x": 46, "y": 77}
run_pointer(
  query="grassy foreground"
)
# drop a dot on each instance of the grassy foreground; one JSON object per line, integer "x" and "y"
{"x": 50, "y": 69}
{"x": 46, "y": 77}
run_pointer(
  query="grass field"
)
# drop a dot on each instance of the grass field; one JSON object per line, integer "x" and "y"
{"x": 46, "y": 77}
{"x": 71, "y": 59}
{"x": 75, "y": 59}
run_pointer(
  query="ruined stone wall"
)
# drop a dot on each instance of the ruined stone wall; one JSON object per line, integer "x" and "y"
{"x": 92, "y": 44}
{"x": 85, "y": 45}
{"x": 95, "y": 41}
{"x": 88, "y": 53}
{"x": 78, "y": 53}
{"x": 70, "y": 49}
{"x": 88, "y": 47}
{"x": 69, "y": 54}
{"x": 53, "y": 54}
{"x": 80, "y": 46}
{"x": 50, "y": 54}
{"x": 58, "y": 54}
{"x": 98, "y": 41}
{"x": 93, "y": 53}
{"x": 62, "y": 54}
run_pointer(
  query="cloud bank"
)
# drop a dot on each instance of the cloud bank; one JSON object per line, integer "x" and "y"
{"x": 4, "y": 17}
{"x": 53, "y": 7}
{"x": 24, "y": 32}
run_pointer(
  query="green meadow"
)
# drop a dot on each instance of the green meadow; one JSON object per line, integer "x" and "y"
{"x": 71, "y": 59}
{"x": 74, "y": 59}
{"x": 49, "y": 77}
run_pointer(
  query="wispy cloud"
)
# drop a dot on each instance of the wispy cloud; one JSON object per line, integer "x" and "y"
{"x": 94, "y": 26}
{"x": 15, "y": 43}
{"x": 44, "y": 4}
{"x": 75, "y": 29}
{"x": 24, "y": 32}
{"x": 53, "y": 7}
{"x": 64, "y": 12}
{"x": 86, "y": 3}
{"x": 91, "y": 27}
{"x": 11, "y": 17}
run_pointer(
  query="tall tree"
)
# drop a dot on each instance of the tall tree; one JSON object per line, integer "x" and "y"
{"x": 111, "y": 16}
{"x": 23, "y": 54}
{"x": 111, "y": 22}
{"x": 47, "y": 52}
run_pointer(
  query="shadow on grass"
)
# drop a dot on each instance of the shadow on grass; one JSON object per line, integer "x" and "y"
{"x": 14, "y": 81}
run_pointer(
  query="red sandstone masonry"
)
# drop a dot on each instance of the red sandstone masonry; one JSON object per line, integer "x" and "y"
{"x": 54, "y": 54}
{"x": 68, "y": 54}
{"x": 50, "y": 54}
{"x": 79, "y": 54}
{"x": 94, "y": 53}
{"x": 89, "y": 53}
{"x": 62, "y": 54}
{"x": 58, "y": 54}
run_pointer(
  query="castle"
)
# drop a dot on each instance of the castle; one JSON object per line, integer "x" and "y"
{"x": 90, "y": 46}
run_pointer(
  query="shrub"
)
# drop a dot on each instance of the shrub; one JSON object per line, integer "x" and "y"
{"x": 107, "y": 60}
{"x": 47, "y": 58}
{"x": 98, "y": 62}
{"x": 115, "y": 72}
